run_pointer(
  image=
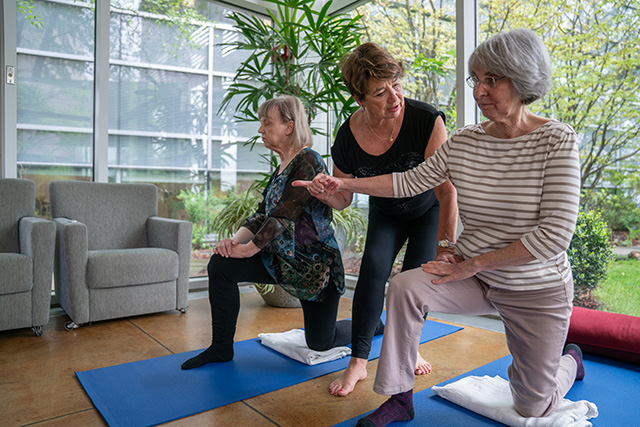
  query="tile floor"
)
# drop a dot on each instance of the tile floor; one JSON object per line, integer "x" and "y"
{"x": 38, "y": 385}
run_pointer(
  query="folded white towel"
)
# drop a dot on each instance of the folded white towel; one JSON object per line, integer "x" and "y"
{"x": 294, "y": 345}
{"x": 491, "y": 397}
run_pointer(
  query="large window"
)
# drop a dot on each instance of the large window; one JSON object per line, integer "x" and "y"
{"x": 422, "y": 35}
{"x": 168, "y": 73}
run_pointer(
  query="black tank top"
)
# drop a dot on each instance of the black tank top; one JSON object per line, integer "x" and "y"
{"x": 406, "y": 152}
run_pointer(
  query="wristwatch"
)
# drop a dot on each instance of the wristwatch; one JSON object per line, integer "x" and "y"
{"x": 444, "y": 243}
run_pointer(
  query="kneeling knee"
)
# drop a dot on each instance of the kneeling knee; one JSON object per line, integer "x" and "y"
{"x": 533, "y": 409}
{"x": 316, "y": 344}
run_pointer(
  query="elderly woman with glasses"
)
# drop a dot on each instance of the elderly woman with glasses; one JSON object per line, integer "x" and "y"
{"x": 518, "y": 181}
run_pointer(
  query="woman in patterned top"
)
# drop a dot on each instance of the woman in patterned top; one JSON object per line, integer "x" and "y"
{"x": 288, "y": 241}
{"x": 518, "y": 181}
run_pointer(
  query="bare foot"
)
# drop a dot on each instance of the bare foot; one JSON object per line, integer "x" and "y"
{"x": 422, "y": 366}
{"x": 356, "y": 371}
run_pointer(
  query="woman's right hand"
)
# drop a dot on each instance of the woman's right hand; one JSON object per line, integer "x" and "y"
{"x": 225, "y": 247}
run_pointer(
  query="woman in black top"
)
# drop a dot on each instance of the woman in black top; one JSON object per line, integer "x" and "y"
{"x": 389, "y": 133}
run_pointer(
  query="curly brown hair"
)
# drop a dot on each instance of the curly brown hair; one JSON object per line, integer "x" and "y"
{"x": 368, "y": 61}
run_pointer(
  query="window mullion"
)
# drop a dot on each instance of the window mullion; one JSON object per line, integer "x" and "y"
{"x": 101, "y": 94}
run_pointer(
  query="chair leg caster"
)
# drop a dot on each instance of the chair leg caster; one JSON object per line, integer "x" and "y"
{"x": 183, "y": 310}
{"x": 37, "y": 330}
{"x": 71, "y": 325}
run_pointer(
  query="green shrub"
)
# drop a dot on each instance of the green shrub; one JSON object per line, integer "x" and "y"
{"x": 590, "y": 250}
{"x": 202, "y": 207}
{"x": 236, "y": 208}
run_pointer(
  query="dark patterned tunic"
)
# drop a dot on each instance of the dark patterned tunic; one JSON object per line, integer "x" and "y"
{"x": 293, "y": 231}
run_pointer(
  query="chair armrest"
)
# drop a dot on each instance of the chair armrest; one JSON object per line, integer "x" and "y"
{"x": 37, "y": 241}
{"x": 175, "y": 235}
{"x": 72, "y": 247}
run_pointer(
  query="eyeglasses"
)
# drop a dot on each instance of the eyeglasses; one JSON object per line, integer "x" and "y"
{"x": 490, "y": 82}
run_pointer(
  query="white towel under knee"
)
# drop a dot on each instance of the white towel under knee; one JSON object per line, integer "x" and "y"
{"x": 491, "y": 397}
{"x": 294, "y": 345}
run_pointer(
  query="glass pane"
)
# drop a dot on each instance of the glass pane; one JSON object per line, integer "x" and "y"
{"x": 66, "y": 29}
{"x": 156, "y": 152}
{"x": 215, "y": 13}
{"x": 164, "y": 123}
{"x": 153, "y": 100}
{"x": 224, "y": 57}
{"x": 42, "y": 175}
{"x": 55, "y": 147}
{"x": 223, "y": 122}
{"x": 55, "y": 92}
{"x": 155, "y": 41}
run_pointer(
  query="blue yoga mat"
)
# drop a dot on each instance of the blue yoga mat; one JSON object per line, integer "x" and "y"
{"x": 612, "y": 385}
{"x": 155, "y": 391}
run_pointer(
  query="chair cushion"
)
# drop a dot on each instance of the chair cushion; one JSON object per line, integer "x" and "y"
{"x": 125, "y": 267}
{"x": 17, "y": 273}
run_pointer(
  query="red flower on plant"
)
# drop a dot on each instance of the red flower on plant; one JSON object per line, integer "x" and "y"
{"x": 281, "y": 53}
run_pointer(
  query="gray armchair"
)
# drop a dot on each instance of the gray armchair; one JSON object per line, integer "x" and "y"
{"x": 114, "y": 257}
{"x": 26, "y": 258}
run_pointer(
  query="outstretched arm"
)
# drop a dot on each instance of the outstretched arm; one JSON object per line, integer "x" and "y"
{"x": 380, "y": 186}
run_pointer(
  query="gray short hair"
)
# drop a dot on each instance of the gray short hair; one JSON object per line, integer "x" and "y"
{"x": 291, "y": 109}
{"x": 519, "y": 55}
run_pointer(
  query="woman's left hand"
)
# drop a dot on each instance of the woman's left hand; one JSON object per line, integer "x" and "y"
{"x": 225, "y": 247}
{"x": 230, "y": 248}
{"x": 449, "y": 271}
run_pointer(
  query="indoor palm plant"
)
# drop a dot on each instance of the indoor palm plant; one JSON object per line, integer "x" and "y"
{"x": 296, "y": 53}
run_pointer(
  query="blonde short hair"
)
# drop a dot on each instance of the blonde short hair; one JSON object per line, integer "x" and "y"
{"x": 290, "y": 109}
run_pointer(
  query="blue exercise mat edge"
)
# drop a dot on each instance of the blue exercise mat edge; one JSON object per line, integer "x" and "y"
{"x": 611, "y": 384}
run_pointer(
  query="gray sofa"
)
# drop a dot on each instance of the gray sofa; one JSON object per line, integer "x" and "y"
{"x": 114, "y": 256}
{"x": 26, "y": 258}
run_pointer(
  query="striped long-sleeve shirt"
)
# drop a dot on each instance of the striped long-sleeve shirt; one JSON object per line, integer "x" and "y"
{"x": 525, "y": 188}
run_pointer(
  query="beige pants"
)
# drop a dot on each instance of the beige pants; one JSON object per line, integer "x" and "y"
{"x": 535, "y": 322}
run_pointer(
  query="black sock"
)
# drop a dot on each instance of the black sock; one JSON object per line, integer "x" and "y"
{"x": 399, "y": 407}
{"x": 210, "y": 355}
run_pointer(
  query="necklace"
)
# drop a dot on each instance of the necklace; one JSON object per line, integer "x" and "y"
{"x": 366, "y": 119}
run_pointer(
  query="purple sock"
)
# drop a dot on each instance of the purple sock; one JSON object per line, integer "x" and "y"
{"x": 575, "y": 352}
{"x": 399, "y": 407}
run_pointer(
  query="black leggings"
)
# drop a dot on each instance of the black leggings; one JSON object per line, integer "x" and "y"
{"x": 385, "y": 237}
{"x": 322, "y": 332}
